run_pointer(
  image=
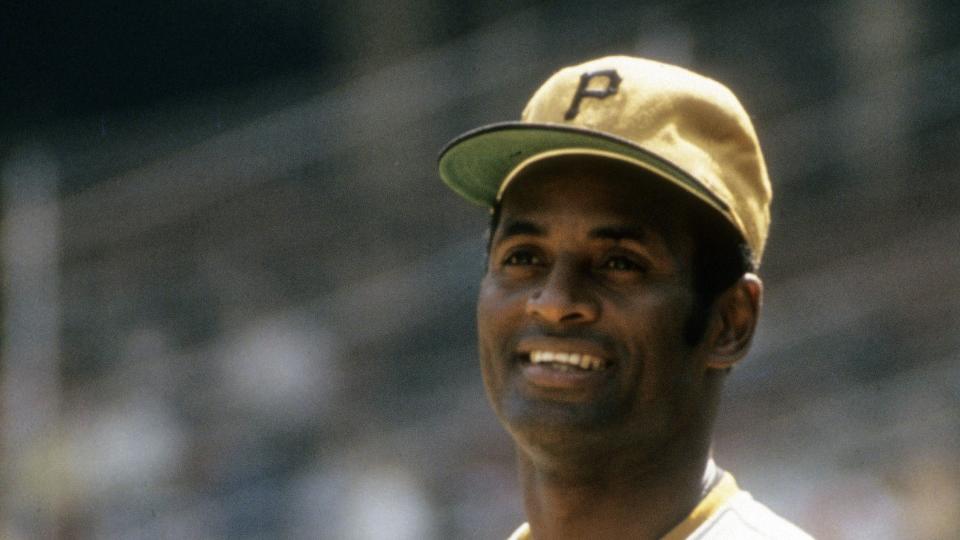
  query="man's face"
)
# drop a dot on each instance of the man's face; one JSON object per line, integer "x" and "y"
{"x": 590, "y": 267}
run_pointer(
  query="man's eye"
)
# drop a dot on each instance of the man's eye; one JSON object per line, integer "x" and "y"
{"x": 621, "y": 264}
{"x": 522, "y": 258}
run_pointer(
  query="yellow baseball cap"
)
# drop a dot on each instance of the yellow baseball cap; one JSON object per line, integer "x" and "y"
{"x": 684, "y": 127}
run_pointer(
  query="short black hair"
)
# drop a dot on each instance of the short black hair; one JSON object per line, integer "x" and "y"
{"x": 720, "y": 258}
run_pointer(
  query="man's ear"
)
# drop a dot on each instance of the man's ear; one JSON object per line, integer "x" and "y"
{"x": 733, "y": 321}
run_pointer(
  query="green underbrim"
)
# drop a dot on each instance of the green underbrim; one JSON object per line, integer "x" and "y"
{"x": 476, "y": 163}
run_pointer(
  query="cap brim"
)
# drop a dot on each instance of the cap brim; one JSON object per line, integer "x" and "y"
{"x": 477, "y": 163}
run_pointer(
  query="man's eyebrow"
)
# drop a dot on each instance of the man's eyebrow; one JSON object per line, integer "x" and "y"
{"x": 617, "y": 232}
{"x": 520, "y": 227}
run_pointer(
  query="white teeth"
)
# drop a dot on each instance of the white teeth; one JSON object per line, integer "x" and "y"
{"x": 563, "y": 359}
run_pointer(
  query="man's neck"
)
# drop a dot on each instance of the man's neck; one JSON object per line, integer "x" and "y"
{"x": 613, "y": 502}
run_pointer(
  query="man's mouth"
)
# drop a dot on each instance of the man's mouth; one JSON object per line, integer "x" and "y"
{"x": 567, "y": 361}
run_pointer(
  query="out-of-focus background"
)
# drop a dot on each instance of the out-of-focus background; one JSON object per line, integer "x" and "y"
{"x": 238, "y": 303}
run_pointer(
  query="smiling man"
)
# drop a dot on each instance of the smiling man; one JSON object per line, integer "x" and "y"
{"x": 629, "y": 211}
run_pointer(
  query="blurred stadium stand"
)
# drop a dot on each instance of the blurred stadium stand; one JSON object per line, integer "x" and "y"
{"x": 238, "y": 302}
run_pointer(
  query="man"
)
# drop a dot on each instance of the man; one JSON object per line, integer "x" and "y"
{"x": 630, "y": 208}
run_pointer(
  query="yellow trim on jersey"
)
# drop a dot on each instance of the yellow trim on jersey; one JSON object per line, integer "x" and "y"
{"x": 716, "y": 499}
{"x": 708, "y": 506}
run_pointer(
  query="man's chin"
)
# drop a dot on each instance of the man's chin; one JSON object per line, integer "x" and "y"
{"x": 557, "y": 423}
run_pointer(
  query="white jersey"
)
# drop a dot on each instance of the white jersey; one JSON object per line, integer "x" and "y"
{"x": 726, "y": 513}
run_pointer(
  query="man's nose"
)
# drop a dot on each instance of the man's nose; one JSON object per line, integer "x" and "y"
{"x": 564, "y": 297}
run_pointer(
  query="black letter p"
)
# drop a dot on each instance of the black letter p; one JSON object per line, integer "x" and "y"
{"x": 613, "y": 84}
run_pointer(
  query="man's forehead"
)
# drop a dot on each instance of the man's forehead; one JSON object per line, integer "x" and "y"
{"x": 572, "y": 222}
{"x": 621, "y": 201}
{"x": 544, "y": 224}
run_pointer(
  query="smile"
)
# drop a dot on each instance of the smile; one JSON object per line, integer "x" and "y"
{"x": 565, "y": 361}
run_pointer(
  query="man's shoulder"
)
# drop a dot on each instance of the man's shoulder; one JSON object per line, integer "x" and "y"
{"x": 745, "y": 518}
